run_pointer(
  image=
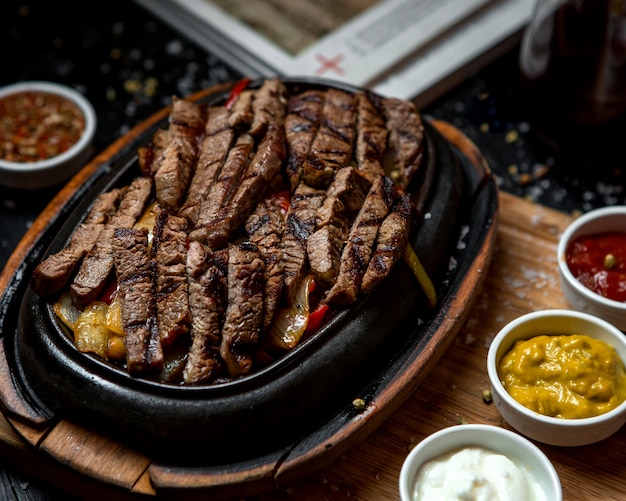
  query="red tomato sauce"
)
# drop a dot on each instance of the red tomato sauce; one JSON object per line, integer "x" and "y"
{"x": 37, "y": 125}
{"x": 589, "y": 259}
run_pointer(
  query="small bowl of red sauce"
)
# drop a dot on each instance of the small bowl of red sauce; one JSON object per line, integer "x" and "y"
{"x": 46, "y": 134}
{"x": 592, "y": 264}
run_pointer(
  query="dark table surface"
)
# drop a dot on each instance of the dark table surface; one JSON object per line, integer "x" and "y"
{"x": 129, "y": 64}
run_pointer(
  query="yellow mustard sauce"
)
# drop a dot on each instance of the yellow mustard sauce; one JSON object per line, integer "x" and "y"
{"x": 565, "y": 376}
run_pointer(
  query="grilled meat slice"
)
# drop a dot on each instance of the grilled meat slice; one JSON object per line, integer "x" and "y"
{"x": 186, "y": 118}
{"x": 371, "y": 140}
{"x": 135, "y": 278}
{"x": 299, "y": 226}
{"x": 241, "y": 113}
{"x": 334, "y": 141}
{"x": 344, "y": 198}
{"x": 208, "y": 295}
{"x": 149, "y": 155}
{"x": 392, "y": 239}
{"x": 97, "y": 265}
{"x": 177, "y": 165}
{"x": 304, "y": 113}
{"x": 406, "y": 138}
{"x": 265, "y": 228}
{"x": 213, "y": 151}
{"x": 54, "y": 272}
{"x": 242, "y": 324}
{"x": 359, "y": 245}
{"x": 225, "y": 186}
{"x": 169, "y": 250}
{"x": 269, "y": 106}
{"x": 263, "y": 169}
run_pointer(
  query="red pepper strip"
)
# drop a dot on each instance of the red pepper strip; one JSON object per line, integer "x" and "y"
{"x": 239, "y": 87}
{"x": 109, "y": 292}
{"x": 316, "y": 319}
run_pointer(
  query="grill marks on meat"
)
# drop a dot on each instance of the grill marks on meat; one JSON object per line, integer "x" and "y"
{"x": 304, "y": 113}
{"x": 390, "y": 243}
{"x": 177, "y": 162}
{"x": 265, "y": 228}
{"x": 299, "y": 226}
{"x": 97, "y": 265}
{"x": 258, "y": 176}
{"x": 54, "y": 272}
{"x": 135, "y": 288}
{"x": 213, "y": 152}
{"x": 334, "y": 141}
{"x": 242, "y": 325}
{"x": 371, "y": 140}
{"x": 406, "y": 138}
{"x": 169, "y": 250}
{"x": 344, "y": 198}
{"x": 360, "y": 242}
{"x": 208, "y": 296}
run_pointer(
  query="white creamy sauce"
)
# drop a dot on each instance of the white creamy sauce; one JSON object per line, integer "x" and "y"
{"x": 474, "y": 474}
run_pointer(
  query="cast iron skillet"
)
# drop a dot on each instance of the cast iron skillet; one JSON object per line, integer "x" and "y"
{"x": 378, "y": 350}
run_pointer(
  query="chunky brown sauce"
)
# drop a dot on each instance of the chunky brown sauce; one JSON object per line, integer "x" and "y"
{"x": 36, "y": 126}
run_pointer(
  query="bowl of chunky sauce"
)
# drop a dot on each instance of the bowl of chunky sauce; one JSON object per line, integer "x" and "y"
{"x": 46, "y": 132}
{"x": 592, "y": 264}
{"x": 559, "y": 377}
{"x": 478, "y": 461}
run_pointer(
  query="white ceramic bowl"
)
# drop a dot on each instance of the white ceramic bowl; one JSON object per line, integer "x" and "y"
{"x": 547, "y": 429}
{"x": 606, "y": 219}
{"x": 54, "y": 170}
{"x": 521, "y": 451}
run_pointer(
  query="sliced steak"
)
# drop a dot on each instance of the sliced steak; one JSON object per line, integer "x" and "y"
{"x": 334, "y": 141}
{"x": 406, "y": 138}
{"x": 304, "y": 113}
{"x": 269, "y": 106}
{"x": 169, "y": 249}
{"x": 186, "y": 118}
{"x": 371, "y": 139}
{"x": 55, "y": 272}
{"x": 208, "y": 296}
{"x": 149, "y": 155}
{"x": 176, "y": 168}
{"x": 213, "y": 151}
{"x": 242, "y": 324}
{"x": 392, "y": 238}
{"x": 97, "y": 265}
{"x": 241, "y": 113}
{"x": 263, "y": 169}
{"x": 225, "y": 186}
{"x": 299, "y": 226}
{"x": 344, "y": 198}
{"x": 359, "y": 245}
{"x": 135, "y": 278}
{"x": 265, "y": 228}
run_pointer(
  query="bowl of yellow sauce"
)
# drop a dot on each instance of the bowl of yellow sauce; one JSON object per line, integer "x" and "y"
{"x": 559, "y": 376}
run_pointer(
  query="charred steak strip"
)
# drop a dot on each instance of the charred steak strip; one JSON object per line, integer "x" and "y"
{"x": 371, "y": 140}
{"x": 406, "y": 137}
{"x": 208, "y": 294}
{"x": 269, "y": 106}
{"x": 390, "y": 243}
{"x": 213, "y": 151}
{"x": 240, "y": 334}
{"x": 299, "y": 226}
{"x": 225, "y": 186}
{"x": 265, "y": 228}
{"x": 241, "y": 113}
{"x": 98, "y": 264}
{"x": 263, "y": 169}
{"x": 359, "y": 245}
{"x": 344, "y": 198}
{"x": 304, "y": 113}
{"x": 333, "y": 144}
{"x": 134, "y": 276}
{"x": 169, "y": 248}
{"x": 54, "y": 272}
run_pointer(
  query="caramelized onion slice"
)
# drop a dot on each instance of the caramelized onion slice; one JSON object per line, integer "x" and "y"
{"x": 290, "y": 323}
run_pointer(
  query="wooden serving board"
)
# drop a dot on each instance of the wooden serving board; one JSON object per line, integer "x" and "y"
{"x": 522, "y": 277}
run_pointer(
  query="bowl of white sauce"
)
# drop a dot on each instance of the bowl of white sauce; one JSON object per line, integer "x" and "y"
{"x": 475, "y": 462}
